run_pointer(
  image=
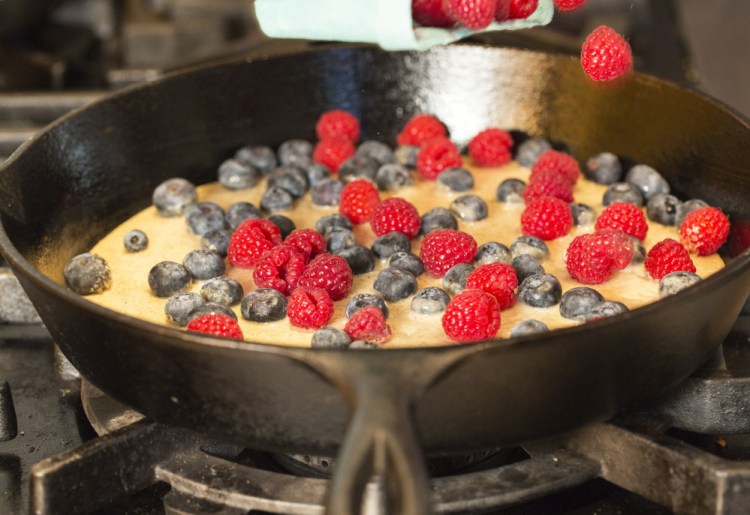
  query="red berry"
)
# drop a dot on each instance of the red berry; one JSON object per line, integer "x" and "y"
{"x": 332, "y": 152}
{"x": 216, "y": 324}
{"x": 704, "y": 230}
{"x": 435, "y": 156}
{"x": 593, "y": 258}
{"x": 625, "y": 217}
{"x": 421, "y": 128}
{"x": 308, "y": 241}
{"x": 521, "y": 9}
{"x": 337, "y": 123}
{"x": 472, "y": 14}
{"x": 547, "y": 218}
{"x": 605, "y": 55}
{"x": 358, "y": 199}
{"x": 442, "y": 249}
{"x": 618, "y": 244}
{"x": 568, "y": 5}
{"x": 251, "y": 239}
{"x": 368, "y": 324}
{"x": 502, "y": 11}
{"x": 430, "y": 13}
{"x": 666, "y": 257}
{"x": 329, "y": 272}
{"x": 309, "y": 307}
{"x": 559, "y": 162}
{"x": 471, "y": 316}
{"x": 497, "y": 279}
{"x": 548, "y": 183}
{"x": 280, "y": 268}
{"x": 395, "y": 215}
{"x": 491, "y": 147}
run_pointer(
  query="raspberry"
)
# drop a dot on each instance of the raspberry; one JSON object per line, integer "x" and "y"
{"x": 472, "y": 315}
{"x": 704, "y": 230}
{"x": 395, "y": 215}
{"x": 568, "y": 5}
{"x": 337, "y": 123}
{"x": 309, "y": 307}
{"x": 559, "y": 162}
{"x": 624, "y": 216}
{"x": 473, "y": 14}
{"x": 605, "y": 55}
{"x": 497, "y": 279}
{"x": 430, "y": 13}
{"x": 547, "y": 218}
{"x": 548, "y": 183}
{"x": 421, "y": 128}
{"x": 251, "y": 239}
{"x": 593, "y": 258}
{"x": 502, "y": 11}
{"x": 444, "y": 248}
{"x": 280, "y": 268}
{"x": 666, "y": 257}
{"x": 216, "y": 324}
{"x": 308, "y": 241}
{"x": 491, "y": 147}
{"x": 331, "y": 152}
{"x": 368, "y": 324}
{"x": 435, "y": 156}
{"x": 618, "y": 244}
{"x": 358, "y": 199}
{"x": 521, "y": 9}
{"x": 329, "y": 272}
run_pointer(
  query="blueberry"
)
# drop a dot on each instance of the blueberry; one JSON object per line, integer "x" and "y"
{"x": 639, "y": 251}
{"x": 540, "y": 290}
{"x": 330, "y": 338}
{"x": 510, "y": 191}
{"x": 238, "y": 175}
{"x": 407, "y": 155}
{"x": 604, "y": 168}
{"x": 676, "y": 281}
{"x": 388, "y": 244}
{"x": 438, "y": 218}
{"x": 686, "y": 208}
{"x": 291, "y": 178}
{"x": 211, "y": 308}
{"x": 260, "y": 157}
{"x": 407, "y": 261}
{"x": 454, "y": 280}
{"x": 135, "y": 240}
{"x": 577, "y": 302}
{"x": 297, "y": 152}
{"x": 336, "y": 220}
{"x": 359, "y": 258}
{"x": 430, "y": 300}
{"x": 526, "y": 265}
{"x": 456, "y": 179}
{"x": 362, "y": 300}
{"x": 606, "y": 309}
{"x": 392, "y": 177}
{"x": 530, "y": 150}
{"x": 263, "y": 305}
{"x": 358, "y": 167}
{"x": 378, "y": 151}
{"x": 623, "y": 192}
{"x": 285, "y": 224}
{"x": 167, "y": 278}
{"x": 470, "y": 208}
{"x": 492, "y": 252}
{"x": 241, "y": 211}
{"x": 87, "y": 273}
{"x": 180, "y": 305}
{"x": 317, "y": 173}
{"x": 216, "y": 241}
{"x": 528, "y": 327}
{"x": 395, "y": 284}
{"x": 276, "y": 198}
{"x": 583, "y": 214}
{"x": 222, "y": 290}
{"x": 362, "y": 344}
{"x": 530, "y": 245}
{"x": 338, "y": 238}
{"x": 203, "y": 217}
{"x": 172, "y": 196}
{"x": 662, "y": 208}
{"x": 204, "y": 264}
{"x": 327, "y": 192}
{"x": 648, "y": 181}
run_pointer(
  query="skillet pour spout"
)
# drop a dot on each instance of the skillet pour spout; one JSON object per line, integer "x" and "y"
{"x": 381, "y": 410}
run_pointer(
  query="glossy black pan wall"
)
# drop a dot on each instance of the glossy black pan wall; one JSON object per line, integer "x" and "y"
{"x": 80, "y": 178}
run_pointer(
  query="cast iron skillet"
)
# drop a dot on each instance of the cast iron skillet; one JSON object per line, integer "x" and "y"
{"x": 91, "y": 170}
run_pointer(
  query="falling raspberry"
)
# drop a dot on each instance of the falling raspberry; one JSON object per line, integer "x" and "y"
{"x": 522, "y": 9}
{"x": 605, "y": 55}
{"x": 568, "y": 5}
{"x": 472, "y": 14}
